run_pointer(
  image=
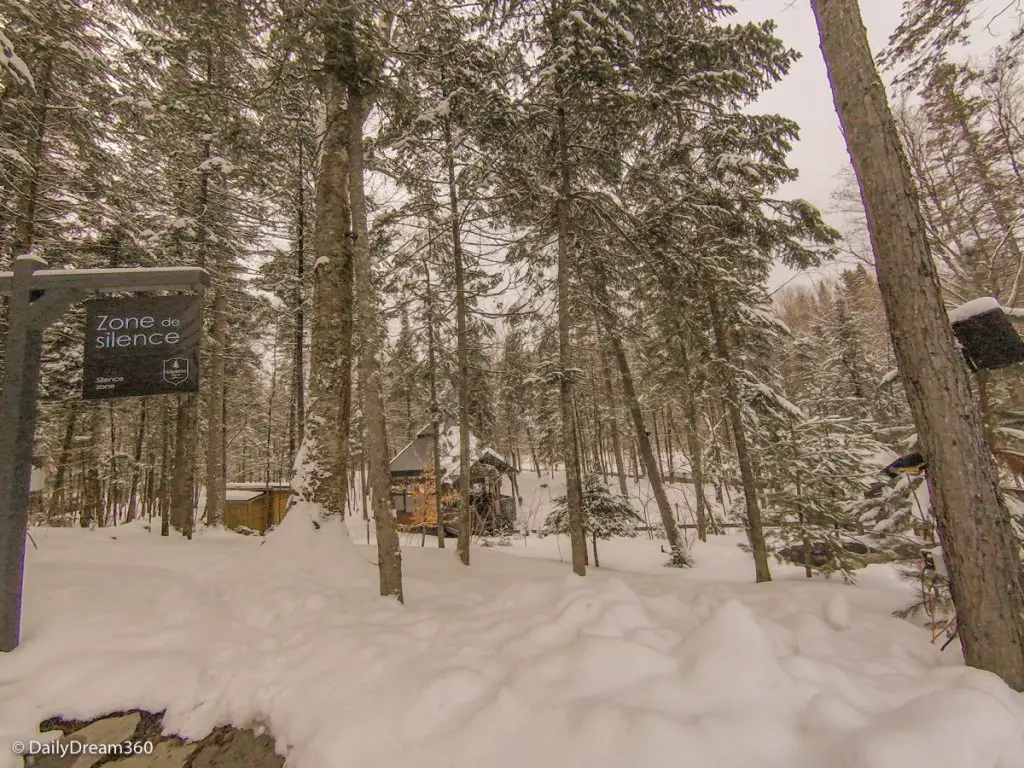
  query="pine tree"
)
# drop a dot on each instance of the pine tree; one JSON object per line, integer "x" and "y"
{"x": 605, "y": 515}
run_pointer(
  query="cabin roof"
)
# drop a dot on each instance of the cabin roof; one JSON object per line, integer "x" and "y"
{"x": 413, "y": 458}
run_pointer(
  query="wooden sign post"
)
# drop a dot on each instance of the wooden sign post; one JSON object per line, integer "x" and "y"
{"x": 38, "y": 297}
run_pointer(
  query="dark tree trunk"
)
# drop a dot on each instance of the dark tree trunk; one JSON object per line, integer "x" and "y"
{"x": 298, "y": 348}
{"x": 57, "y": 506}
{"x": 979, "y": 545}
{"x": 163, "y": 494}
{"x": 743, "y": 457}
{"x": 633, "y": 406}
{"x": 389, "y": 554}
{"x": 466, "y": 513}
{"x": 435, "y": 412}
{"x": 140, "y": 436}
{"x": 183, "y": 479}
{"x": 574, "y": 498}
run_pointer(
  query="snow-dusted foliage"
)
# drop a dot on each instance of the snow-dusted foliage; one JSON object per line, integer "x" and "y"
{"x": 12, "y": 63}
{"x": 827, "y": 507}
{"x": 605, "y": 514}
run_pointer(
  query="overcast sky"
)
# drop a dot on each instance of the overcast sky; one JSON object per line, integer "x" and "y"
{"x": 805, "y": 95}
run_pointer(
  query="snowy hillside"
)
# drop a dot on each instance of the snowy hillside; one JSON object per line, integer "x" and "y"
{"x": 510, "y": 662}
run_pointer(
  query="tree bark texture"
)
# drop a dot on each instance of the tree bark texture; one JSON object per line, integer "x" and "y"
{"x": 389, "y": 555}
{"x": 573, "y": 492}
{"x": 325, "y": 437}
{"x": 466, "y": 514}
{"x": 979, "y": 546}
{"x": 746, "y": 464}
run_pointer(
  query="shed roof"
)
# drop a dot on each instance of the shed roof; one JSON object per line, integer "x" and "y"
{"x": 233, "y": 494}
{"x": 257, "y": 486}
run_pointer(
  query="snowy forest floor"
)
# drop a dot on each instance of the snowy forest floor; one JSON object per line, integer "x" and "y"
{"x": 510, "y": 662}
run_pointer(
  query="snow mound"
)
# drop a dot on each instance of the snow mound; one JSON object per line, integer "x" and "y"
{"x": 508, "y": 663}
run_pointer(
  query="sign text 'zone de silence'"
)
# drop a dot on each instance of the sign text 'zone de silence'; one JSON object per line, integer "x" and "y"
{"x": 142, "y": 346}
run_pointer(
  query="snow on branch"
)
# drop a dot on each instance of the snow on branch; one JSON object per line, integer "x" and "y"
{"x": 13, "y": 63}
{"x": 772, "y": 395}
{"x": 889, "y": 378}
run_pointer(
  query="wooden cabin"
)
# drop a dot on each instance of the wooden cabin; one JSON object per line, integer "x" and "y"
{"x": 413, "y": 487}
{"x": 255, "y": 507}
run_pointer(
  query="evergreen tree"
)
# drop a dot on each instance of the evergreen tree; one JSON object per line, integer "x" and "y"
{"x": 605, "y": 515}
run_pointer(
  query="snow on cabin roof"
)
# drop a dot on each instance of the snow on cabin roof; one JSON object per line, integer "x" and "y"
{"x": 233, "y": 494}
{"x": 412, "y": 458}
{"x": 256, "y": 486}
{"x": 973, "y": 308}
{"x": 415, "y": 456}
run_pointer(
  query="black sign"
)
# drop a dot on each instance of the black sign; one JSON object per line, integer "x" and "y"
{"x": 142, "y": 346}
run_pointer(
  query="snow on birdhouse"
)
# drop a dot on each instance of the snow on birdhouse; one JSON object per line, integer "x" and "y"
{"x": 986, "y": 335}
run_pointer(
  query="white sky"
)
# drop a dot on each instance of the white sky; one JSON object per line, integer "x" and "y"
{"x": 805, "y": 96}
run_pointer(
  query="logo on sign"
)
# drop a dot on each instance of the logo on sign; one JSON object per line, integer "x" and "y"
{"x": 175, "y": 370}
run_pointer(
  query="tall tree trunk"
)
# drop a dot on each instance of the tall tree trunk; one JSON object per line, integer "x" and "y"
{"x": 670, "y": 436}
{"x": 215, "y": 470}
{"x": 533, "y": 450}
{"x": 113, "y": 470}
{"x": 57, "y": 506}
{"x": 657, "y": 443}
{"x": 573, "y": 492}
{"x": 581, "y": 451}
{"x": 613, "y": 422}
{"x": 163, "y": 493}
{"x": 186, "y": 442}
{"x": 739, "y": 435}
{"x": 269, "y": 510}
{"x": 466, "y": 513}
{"x": 389, "y": 555}
{"x": 690, "y": 420}
{"x": 435, "y": 410}
{"x": 298, "y": 354}
{"x": 678, "y": 548}
{"x": 133, "y": 492}
{"x": 323, "y": 451}
{"x": 183, "y": 478}
{"x": 92, "y": 503}
{"x": 979, "y": 545}
{"x": 364, "y": 486}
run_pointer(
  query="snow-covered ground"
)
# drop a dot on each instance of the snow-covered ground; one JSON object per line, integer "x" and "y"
{"x": 510, "y": 662}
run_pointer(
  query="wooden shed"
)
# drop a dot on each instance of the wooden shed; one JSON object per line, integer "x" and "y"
{"x": 255, "y": 507}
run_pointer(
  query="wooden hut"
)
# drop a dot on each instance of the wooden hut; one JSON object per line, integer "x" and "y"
{"x": 413, "y": 484}
{"x": 255, "y": 507}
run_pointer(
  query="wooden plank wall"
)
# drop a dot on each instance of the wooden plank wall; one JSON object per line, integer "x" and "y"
{"x": 252, "y": 514}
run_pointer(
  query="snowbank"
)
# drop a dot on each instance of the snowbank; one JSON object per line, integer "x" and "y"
{"x": 510, "y": 662}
